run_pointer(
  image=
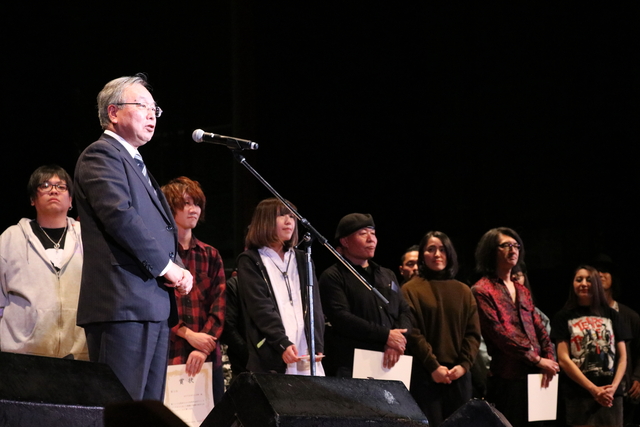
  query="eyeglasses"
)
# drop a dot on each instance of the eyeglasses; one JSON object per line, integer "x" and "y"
{"x": 46, "y": 187}
{"x": 141, "y": 106}
{"x": 509, "y": 245}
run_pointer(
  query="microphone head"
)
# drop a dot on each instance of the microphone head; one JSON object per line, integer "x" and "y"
{"x": 197, "y": 135}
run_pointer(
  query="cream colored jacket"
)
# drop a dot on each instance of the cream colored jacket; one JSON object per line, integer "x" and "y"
{"x": 40, "y": 304}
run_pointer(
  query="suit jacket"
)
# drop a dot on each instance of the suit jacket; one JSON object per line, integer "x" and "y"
{"x": 129, "y": 236}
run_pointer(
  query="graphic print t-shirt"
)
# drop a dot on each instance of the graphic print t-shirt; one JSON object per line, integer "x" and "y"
{"x": 592, "y": 343}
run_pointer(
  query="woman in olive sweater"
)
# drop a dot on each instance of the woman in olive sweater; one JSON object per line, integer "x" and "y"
{"x": 446, "y": 332}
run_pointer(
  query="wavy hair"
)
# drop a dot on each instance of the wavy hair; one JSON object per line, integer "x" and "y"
{"x": 486, "y": 251}
{"x": 175, "y": 191}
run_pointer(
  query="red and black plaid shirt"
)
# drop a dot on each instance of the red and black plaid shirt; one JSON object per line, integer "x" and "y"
{"x": 203, "y": 309}
{"x": 514, "y": 333}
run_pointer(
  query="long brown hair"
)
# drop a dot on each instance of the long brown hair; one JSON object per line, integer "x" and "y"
{"x": 598, "y": 298}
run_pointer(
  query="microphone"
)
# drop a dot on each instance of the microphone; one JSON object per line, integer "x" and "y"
{"x": 199, "y": 135}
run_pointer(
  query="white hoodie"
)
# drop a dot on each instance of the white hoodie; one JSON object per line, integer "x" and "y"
{"x": 39, "y": 303}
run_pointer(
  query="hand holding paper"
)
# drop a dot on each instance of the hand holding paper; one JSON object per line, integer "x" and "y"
{"x": 368, "y": 364}
{"x": 390, "y": 358}
{"x": 290, "y": 355}
{"x": 195, "y": 361}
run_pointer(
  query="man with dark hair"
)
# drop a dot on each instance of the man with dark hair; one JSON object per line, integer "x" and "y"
{"x": 358, "y": 318}
{"x": 130, "y": 238}
{"x": 409, "y": 263}
{"x": 516, "y": 338}
{"x": 40, "y": 269}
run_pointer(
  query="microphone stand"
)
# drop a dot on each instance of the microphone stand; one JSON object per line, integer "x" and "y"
{"x": 312, "y": 233}
{"x": 307, "y": 240}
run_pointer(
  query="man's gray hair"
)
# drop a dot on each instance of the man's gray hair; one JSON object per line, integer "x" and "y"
{"x": 112, "y": 94}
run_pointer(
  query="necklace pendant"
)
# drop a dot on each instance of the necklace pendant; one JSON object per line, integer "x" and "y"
{"x": 56, "y": 245}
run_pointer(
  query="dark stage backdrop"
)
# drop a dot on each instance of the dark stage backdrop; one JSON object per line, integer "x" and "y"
{"x": 451, "y": 117}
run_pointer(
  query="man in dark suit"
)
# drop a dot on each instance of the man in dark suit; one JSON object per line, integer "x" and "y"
{"x": 130, "y": 243}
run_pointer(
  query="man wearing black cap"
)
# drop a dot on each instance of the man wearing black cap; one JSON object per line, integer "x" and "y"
{"x": 358, "y": 318}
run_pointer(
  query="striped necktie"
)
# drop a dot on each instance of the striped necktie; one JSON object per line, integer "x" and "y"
{"x": 138, "y": 159}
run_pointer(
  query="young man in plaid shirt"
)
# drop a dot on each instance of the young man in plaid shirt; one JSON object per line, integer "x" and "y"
{"x": 194, "y": 340}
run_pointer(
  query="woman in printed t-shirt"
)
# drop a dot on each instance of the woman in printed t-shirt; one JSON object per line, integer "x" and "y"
{"x": 591, "y": 352}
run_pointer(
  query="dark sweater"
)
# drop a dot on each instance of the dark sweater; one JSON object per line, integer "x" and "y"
{"x": 446, "y": 329}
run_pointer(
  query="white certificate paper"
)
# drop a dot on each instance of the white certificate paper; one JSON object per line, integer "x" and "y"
{"x": 368, "y": 364}
{"x": 190, "y": 398}
{"x": 543, "y": 402}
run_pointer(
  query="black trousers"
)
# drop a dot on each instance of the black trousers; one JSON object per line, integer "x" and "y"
{"x": 439, "y": 401}
{"x": 511, "y": 398}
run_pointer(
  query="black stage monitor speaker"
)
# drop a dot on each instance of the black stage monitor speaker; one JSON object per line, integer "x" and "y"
{"x": 289, "y": 400}
{"x": 146, "y": 413}
{"x": 476, "y": 413}
{"x": 48, "y": 392}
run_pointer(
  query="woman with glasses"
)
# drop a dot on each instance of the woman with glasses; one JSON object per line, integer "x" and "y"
{"x": 445, "y": 336}
{"x": 514, "y": 333}
{"x": 272, "y": 282}
{"x": 591, "y": 352}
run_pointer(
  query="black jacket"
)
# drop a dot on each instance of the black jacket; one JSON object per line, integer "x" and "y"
{"x": 262, "y": 316}
{"x": 359, "y": 319}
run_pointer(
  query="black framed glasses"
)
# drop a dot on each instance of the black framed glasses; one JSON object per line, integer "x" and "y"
{"x": 142, "y": 106}
{"x": 46, "y": 187}
{"x": 507, "y": 245}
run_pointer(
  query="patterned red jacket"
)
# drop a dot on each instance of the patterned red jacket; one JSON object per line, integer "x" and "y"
{"x": 514, "y": 333}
